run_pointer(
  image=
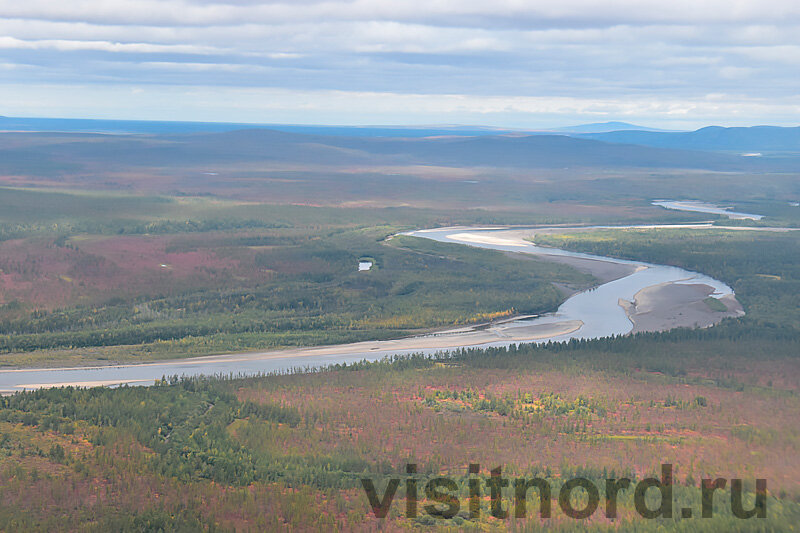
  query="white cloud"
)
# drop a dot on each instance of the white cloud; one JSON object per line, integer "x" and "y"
{"x": 105, "y": 46}
{"x": 567, "y": 12}
{"x": 343, "y": 107}
{"x": 458, "y": 58}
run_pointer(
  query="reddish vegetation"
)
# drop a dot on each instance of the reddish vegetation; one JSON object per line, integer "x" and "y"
{"x": 42, "y": 274}
{"x": 145, "y": 255}
{"x": 636, "y": 422}
{"x": 648, "y": 421}
{"x": 108, "y": 479}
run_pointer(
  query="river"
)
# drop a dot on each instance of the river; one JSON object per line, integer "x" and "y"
{"x": 588, "y": 314}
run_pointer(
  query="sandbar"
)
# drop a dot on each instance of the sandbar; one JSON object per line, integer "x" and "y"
{"x": 676, "y": 304}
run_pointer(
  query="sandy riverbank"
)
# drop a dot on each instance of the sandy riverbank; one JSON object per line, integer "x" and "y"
{"x": 520, "y": 239}
{"x": 503, "y": 332}
{"x": 674, "y": 305}
{"x": 83, "y": 384}
{"x": 507, "y": 331}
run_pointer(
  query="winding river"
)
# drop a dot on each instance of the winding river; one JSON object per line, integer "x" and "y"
{"x": 592, "y": 313}
{"x": 599, "y": 308}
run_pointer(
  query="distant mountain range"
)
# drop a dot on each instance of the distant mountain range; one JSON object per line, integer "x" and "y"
{"x": 158, "y": 127}
{"x": 756, "y": 140}
{"x": 520, "y": 151}
{"x": 48, "y": 152}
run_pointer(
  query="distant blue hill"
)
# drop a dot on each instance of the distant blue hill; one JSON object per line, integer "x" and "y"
{"x": 604, "y": 127}
{"x": 713, "y": 138}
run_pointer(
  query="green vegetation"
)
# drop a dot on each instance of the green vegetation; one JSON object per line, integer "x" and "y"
{"x": 715, "y": 305}
{"x": 272, "y": 276}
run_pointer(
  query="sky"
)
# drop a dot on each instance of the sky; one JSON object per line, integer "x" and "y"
{"x": 675, "y": 64}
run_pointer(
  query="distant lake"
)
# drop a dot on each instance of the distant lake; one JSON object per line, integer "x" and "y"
{"x": 705, "y": 207}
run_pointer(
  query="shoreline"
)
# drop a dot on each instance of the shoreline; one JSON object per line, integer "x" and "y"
{"x": 603, "y": 270}
{"x": 505, "y": 332}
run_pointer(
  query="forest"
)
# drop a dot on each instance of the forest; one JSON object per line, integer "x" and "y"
{"x": 227, "y": 453}
{"x": 233, "y": 453}
{"x": 95, "y": 274}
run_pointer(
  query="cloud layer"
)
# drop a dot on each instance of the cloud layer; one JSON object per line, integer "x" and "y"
{"x": 508, "y": 62}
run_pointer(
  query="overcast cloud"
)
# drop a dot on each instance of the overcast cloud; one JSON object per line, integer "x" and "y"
{"x": 514, "y": 63}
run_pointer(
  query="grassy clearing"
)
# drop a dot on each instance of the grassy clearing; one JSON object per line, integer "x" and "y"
{"x": 715, "y": 305}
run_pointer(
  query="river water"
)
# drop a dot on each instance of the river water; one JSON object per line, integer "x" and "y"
{"x": 597, "y": 308}
{"x": 705, "y": 207}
